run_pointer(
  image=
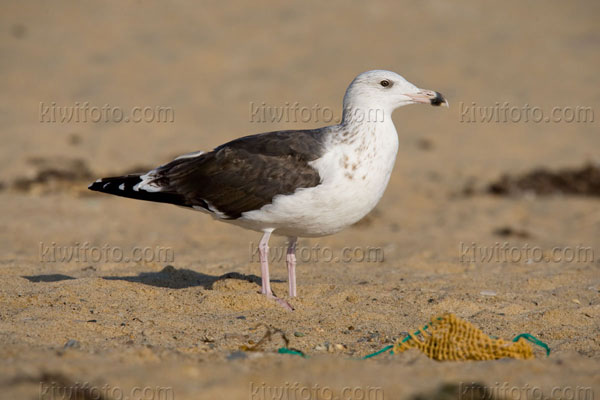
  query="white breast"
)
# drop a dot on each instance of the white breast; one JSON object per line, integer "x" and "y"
{"x": 355, "y": 171}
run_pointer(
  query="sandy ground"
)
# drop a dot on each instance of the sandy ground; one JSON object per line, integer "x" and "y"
{"x": 182, "y": 323}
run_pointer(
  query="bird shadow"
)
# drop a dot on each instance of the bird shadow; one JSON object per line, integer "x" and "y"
{"x": 47, "y": 278}
{"x": 173, "y": 278}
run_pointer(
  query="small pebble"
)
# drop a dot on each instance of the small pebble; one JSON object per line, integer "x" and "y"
{"x": 237, "y": 355}
{"x": 72, "y": 343}
{"x": 298, "y": 334}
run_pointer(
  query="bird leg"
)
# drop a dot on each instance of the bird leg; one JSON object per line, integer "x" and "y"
{"x": 290, "y": 260}
{"x": 263, "y": 252}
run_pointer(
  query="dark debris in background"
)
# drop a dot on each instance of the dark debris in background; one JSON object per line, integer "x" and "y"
{"x": 53, "y": 175}
{"x": 584, "y": 181}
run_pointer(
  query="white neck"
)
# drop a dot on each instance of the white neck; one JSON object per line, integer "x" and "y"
{"x": 355, "y": 114}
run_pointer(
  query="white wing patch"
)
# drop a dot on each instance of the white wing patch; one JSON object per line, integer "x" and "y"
{"x": 146, "y": 184}
{"x": 215, "y": 211}
{"x": 190, "y": 155}
{"x": 211, "y": 209}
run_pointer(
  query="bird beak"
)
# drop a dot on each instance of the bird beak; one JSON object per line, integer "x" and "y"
{"x": 428, "y": 97}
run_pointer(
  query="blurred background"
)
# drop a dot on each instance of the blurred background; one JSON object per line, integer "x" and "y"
{"x": 209, "y": 68}
{"x": 209, "y": 63}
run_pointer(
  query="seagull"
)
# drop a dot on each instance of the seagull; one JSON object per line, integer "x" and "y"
{"x": 294, "y": 183}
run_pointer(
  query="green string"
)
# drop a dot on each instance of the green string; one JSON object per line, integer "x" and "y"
{"x": 533, "y": 340}
{"x": 386, "y": 348}
{"x": 526, "y": 336}
{"x": 391, "y": 347}
{"x": 285, "y": 350}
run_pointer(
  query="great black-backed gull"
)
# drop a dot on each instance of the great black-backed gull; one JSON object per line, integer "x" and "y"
{"x": 297, "y": 183}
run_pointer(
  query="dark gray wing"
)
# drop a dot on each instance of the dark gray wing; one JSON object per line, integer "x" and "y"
{"x": 242, "y": 175}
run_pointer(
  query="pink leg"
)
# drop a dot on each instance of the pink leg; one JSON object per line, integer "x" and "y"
{"x": 291, "y": 265}
{"x": 263, "y": 252}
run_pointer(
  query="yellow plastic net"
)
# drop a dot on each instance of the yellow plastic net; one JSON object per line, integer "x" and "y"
{"x": 449, "y": 338}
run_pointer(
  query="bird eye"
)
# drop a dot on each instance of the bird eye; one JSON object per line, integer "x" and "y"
{"x": 385, "y": 83}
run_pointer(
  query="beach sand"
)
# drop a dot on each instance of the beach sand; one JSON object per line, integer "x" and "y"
{"x": 180, "y": 321}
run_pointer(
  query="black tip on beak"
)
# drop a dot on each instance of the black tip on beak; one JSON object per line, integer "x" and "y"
{"x": 438, "y": 100}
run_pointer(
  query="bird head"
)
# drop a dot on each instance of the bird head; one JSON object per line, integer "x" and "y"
{"x": 384, "y": 91}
